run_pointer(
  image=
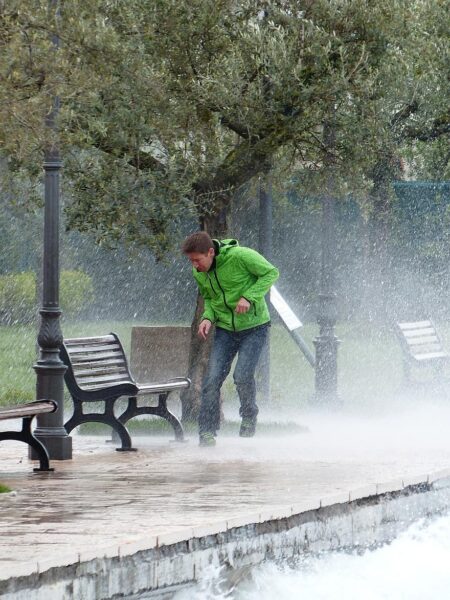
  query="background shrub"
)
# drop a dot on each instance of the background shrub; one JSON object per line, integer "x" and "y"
{"x": 77, "y": 292}
{"x": 18, "y": 296}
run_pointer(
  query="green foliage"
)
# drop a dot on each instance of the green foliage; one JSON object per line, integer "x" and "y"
{"x": 4, "y": 489}
{"x": 77, "y": 292}
{"x": 169, "y": 105}
{"x": 18, "y": 297}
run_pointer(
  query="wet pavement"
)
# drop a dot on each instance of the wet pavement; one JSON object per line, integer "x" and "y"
{"x": 104, "y": 500}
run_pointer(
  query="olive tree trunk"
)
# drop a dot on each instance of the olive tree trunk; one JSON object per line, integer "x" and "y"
{"x": 199, "y": 350}
{"x": 379, "y": 273}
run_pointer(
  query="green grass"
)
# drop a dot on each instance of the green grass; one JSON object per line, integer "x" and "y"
{"x": 369, "y": 364}
{"x": 4, "y": 489}
{"x": 18, "y": 354}
{"x": 157, "y": 426}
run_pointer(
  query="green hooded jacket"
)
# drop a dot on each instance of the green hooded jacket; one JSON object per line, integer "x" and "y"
{"x": 236, "y": 272}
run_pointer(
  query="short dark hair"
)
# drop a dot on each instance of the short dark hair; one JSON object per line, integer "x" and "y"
{"x": 197, "y": 242}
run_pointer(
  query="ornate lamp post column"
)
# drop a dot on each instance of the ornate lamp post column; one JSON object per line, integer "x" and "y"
{"x": 49, "y": 367}
{"x": 327, "y": 343}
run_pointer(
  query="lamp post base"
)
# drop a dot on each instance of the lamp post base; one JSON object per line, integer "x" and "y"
{"x": 58, "y": 444}
{"x": 326, "y": 372}
{"x": 50, "y": 427}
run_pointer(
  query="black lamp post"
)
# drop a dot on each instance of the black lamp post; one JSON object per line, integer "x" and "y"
{"x": 327, "y": 343}
{"x": 49, "y": 367}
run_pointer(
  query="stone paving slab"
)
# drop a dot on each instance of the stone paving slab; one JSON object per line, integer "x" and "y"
{"x": 106, "y": 503}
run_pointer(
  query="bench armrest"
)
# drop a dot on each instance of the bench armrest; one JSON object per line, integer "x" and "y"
{"x": 30, "y": 409}
{"x": 178, "y": 383}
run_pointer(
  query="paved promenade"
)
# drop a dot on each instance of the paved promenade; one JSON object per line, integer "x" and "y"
{"x": 107, "y": 503}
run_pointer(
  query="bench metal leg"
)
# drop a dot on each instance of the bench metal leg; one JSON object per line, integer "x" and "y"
{"x": 26, "y": 436}
{"x": 171, "y": 418}
{"x": 107, "y": 418}
{"x": 161, "y": 410}
{"x": 439, "y": 370}
{"x": 406, "y": 372}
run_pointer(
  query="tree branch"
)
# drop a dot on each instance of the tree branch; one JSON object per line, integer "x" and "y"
{"x": 439, "y": 127}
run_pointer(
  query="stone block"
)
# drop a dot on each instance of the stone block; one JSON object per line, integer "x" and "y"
{"x": 275, "y": 513}
{"x": 389, "y": 486}
{"x": 439, "y": 476}
{"x": 305, "y": 506}
{"x": 209, "y": 529}
{"x": 61, "y": 560}
{"x": 242, "y": 520}
{"x": 140, "y": 545}
{"x": 410, "y": 480}
{"x": 363, "y": 492}
{"x": 98, "y": 553}
{"x": 159, "y": 353}
{"x": 339, "y": 498}
{"x": 173, "y": 537}
{"x": 19, "y": 569}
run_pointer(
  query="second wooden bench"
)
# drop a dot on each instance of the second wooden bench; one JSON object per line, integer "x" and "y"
{"x": 421, "y": 346}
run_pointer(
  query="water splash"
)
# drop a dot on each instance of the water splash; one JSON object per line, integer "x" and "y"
{"x": 212, "y": 586}
{"x": 412, "y": 567}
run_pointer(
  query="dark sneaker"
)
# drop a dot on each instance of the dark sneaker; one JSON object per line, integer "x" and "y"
{"x": 248, "y": 427}
{"x": 207, "y": 439}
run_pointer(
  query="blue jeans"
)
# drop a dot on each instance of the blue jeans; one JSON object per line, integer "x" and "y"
{"x": 248, "y": 345}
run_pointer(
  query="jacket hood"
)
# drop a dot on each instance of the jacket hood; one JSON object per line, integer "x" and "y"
{"x": 222, "y": 246}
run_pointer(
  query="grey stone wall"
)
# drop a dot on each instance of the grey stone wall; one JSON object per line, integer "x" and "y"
{"x": 341, "y": 523}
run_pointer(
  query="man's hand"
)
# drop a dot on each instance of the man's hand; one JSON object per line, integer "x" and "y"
{"x": 203, "y": 328}
{"x": 242, "y": 306}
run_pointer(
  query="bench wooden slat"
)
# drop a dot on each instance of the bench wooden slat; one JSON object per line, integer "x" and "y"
{"x": 96, "y": 361}
{"x": 89, "y": 340}
{"x": 92, "y": 387}
{"x": 93, "y": 349}
{"x": 101, "y": 356}
{"x": 432, "y": 355}
{"x": 422, "y": 339}
{"x": 100, "y": 364}
{"x": 425, "y": 344}
{"x": 425, "y": 341}
{"x": 27, "y": 410}
{"x": 103, "y": 379}
{"x": 79, "y": 374}
{"x": 411, "y": 334}
{"x": 429, "y": 348}
{"x": 415, "y": 325}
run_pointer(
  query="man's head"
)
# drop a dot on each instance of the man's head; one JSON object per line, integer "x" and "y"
{"x": 199, "y": 248}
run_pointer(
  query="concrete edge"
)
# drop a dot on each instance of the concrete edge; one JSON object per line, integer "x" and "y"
{"x": 437, "y": 480}
{"x": 8, "y": 494}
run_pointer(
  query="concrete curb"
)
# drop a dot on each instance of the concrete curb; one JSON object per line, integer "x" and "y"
{"x": 363, "y": 516}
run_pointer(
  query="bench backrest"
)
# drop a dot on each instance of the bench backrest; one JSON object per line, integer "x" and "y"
{"x": 420, "y": 338}
{"x": 97, "y": 362}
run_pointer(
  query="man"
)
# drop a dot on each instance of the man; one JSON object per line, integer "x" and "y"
{"x": 233, "y": 281}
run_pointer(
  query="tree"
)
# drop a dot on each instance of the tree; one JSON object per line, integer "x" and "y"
{"x": 169, "y": 106}
{"x": 172, "y": 105}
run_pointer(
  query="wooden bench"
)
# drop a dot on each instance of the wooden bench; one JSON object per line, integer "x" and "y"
{"x": 98, "y": 372}
{"x": 27, "y": 412}
{"x": 421, "y": 346}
